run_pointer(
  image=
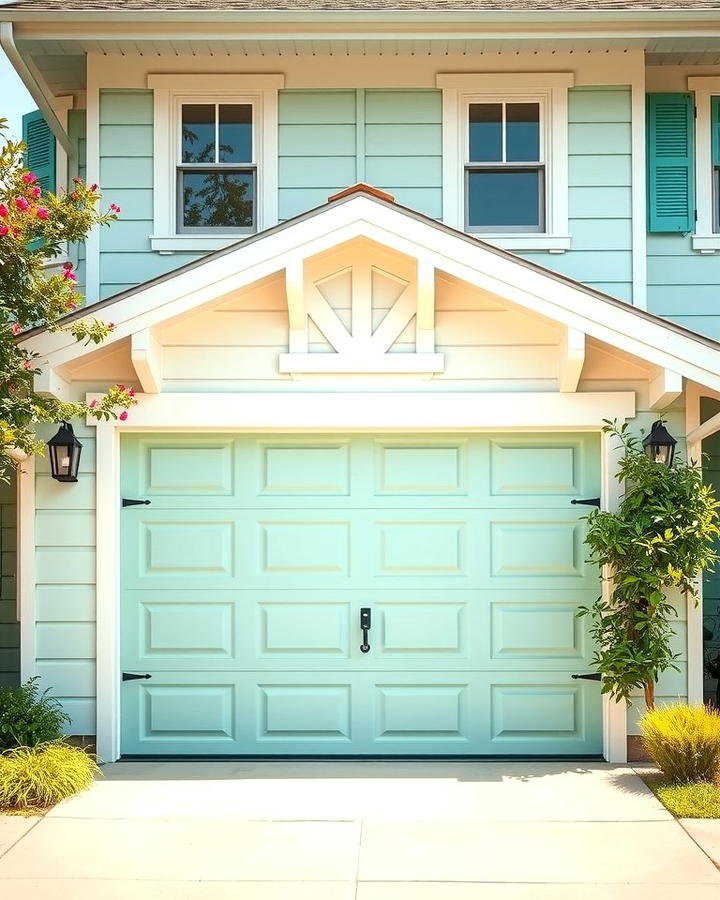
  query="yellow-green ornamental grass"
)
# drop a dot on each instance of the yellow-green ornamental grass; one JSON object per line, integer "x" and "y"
{"x": 684, "y": 741}
{"x": 41, "y": 776}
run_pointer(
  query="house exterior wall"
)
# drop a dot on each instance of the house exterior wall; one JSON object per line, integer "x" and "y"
{"x": 683, "y": 284}
{"x": 381, "y": 124}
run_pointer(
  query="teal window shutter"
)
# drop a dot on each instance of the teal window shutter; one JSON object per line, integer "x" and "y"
{"x": 715, "y": 119}
{"x": 671, "y": 170}
{"x": 40, "y": 153}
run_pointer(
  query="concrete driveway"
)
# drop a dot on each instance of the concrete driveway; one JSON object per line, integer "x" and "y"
{"x": 357, "y": 831}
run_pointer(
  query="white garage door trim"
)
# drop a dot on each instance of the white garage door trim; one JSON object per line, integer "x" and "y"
{"x": 423, "y": 412}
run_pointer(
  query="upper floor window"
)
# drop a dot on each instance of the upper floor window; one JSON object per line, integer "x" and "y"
{"x": 706, "y": 238}
{"x": 217, "y": 172}
{"x": 215, "y": 158}
{"x": 505, "y": 173}
{"x": 505, "y": 157}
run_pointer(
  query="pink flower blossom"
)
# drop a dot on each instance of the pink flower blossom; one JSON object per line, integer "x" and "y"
{"x": 27, "y": 364}
{"x": 93, "y": 403}
{"x": 131, "y": 393}
{"x": 71, "y": 304}
{"x": 3, "y": 210}
{"x": 15, "y": 328}
{"x": 93, "y": 187}
{"x": 114, "y": 208}
{"x": 22, "y": 204}
{"x": 35, "y": 192}
{"x": 69, "y": 275}
{"x": 4, "y": 230}
{"x": 67, "y": 265}
{"x": 121, "y": 387}
{"x": 30, "y": 178}
{"x": 123, "y": 415}
{"x": 42, "y": 212}
{"x": 111, "y": 325}
{"x": 77, "y": 180}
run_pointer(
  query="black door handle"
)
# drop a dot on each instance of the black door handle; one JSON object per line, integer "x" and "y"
{"x": 589, "y": 676}
{"x": 365, "y": 625}
{"x": 132, "y": 676}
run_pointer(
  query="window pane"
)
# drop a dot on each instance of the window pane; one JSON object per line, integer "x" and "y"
{"x": 501, "y": 199}
{"x": 218, "y": 199}
{"x": 236, "y": 133}
{"x": 485, "y": 132}
{"x": 523, "y": 132}
{"x": 198, "y": 133}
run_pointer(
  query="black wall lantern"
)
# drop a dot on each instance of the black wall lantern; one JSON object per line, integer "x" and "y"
{"x": 64, "y": 450}
{"x": 659, "y": 445}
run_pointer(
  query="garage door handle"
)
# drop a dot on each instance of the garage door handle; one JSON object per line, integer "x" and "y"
{"x": 131, "y": 676}
{"x": 589, "y": 676}
{"x": 592, "y": 501}
{"x": 365, "y": 625}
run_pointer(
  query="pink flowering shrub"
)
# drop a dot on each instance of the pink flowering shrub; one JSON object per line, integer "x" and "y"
{"x": 34, "y": 226}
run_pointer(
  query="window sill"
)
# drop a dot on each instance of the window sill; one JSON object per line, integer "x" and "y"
{"x": 553, "y": 243}
{"x": 706, "y": 243}
{"x": 179, "y": 243}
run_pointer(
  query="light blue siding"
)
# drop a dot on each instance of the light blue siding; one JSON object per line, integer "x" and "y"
{"x": 126, "y": 178}
{"x": 711, "y": 580}
{"x": 76, "y": 133}
{"x": 684, "y": 285}
{"x": 599, "y": 199}
{"x": 328, "y": 140}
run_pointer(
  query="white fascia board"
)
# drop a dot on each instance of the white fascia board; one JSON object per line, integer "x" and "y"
{"x": 516, "y": 281}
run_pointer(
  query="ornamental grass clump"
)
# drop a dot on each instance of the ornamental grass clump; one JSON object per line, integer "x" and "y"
{"x": 29, "y": 716}
{"x": 683, "y": 741}
{"x": 39, "y": 777}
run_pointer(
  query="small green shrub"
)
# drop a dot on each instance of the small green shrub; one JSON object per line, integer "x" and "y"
{"x": 684, "y": 741}
{"x": 29, "y": 717}
{"x": 42, "y": 776}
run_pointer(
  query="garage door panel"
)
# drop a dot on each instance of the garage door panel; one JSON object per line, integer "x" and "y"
{"x": 303, "y": 629}
{"x": 543, "y": 714}
{"x": 428, "y": 467}
{"x": 541, "y": 550}
{"x": 304, "y": 712}
{"x": 538, "y": 630}
{"x": 298, "y": 468}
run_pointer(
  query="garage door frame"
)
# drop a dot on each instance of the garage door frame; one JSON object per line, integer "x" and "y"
{"x": 319, "y": 412}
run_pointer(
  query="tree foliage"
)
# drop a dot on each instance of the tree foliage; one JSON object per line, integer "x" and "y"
{"x": 661, "y": 538}
{"x": 35, "y": 226}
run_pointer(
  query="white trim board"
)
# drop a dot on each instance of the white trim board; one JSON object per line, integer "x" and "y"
{"x": 530, "y": 287}
{"x": 422, "y": 412}
{"x": 704, "y": 239}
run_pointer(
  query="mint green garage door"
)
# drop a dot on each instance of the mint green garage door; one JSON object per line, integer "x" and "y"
{"x": 244, "y": 580}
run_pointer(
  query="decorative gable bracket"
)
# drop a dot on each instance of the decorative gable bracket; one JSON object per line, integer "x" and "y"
{"x": 361, "y": 313}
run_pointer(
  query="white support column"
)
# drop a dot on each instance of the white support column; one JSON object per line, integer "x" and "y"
{"x": 26, "y": 566}
{"x": 108, "y": 591}
{"x": 614, "y": 714}
{"x": 695, "y": 661}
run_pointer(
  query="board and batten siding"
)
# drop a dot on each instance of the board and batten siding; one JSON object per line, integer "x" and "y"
{"x": 599, "y": 191}
{"x": 9, "y": 626}
{"x": 329, "y": 140}
{"x": 65, "y": 583}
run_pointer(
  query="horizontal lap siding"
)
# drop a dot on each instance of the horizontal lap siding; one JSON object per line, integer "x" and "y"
{"x": 684, "y": 285}
{"x": 329, "y": 140}
{"x": 9, "y": 627}
{"x": 600, "y": 186}
{"x": 126, "y": 178}
{"x": 65, "y": 584}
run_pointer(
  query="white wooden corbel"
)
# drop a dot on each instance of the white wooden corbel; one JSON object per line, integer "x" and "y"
{"x": 425, "y": 322}
{"x": 665, "y": 388}
{"x": 49, "y": 384}
{"x": 571, "y": 360}
{"x": 146, "y": 356}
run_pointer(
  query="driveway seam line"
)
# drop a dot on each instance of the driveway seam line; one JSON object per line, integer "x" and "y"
{"x": 697, "y": 843}
{"x": 24, "y": 834}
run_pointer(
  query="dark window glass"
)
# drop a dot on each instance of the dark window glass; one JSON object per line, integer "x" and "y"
{"x": 235, "y": 133}
{"x": 198, "y": 133}
{"x": 216, "y": 199}
{"x": 504, "y": 198}
{"x": 485, "y": 132}
{"x": 522, "y": 142}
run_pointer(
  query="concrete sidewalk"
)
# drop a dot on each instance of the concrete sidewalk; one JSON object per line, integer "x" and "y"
{"x": 357, "y": 831}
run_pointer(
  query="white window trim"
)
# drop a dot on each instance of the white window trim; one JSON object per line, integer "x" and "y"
{"x": 704, "y": 239}
{"x": 551, "y": 90}
{"x": 170, "y": 91}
